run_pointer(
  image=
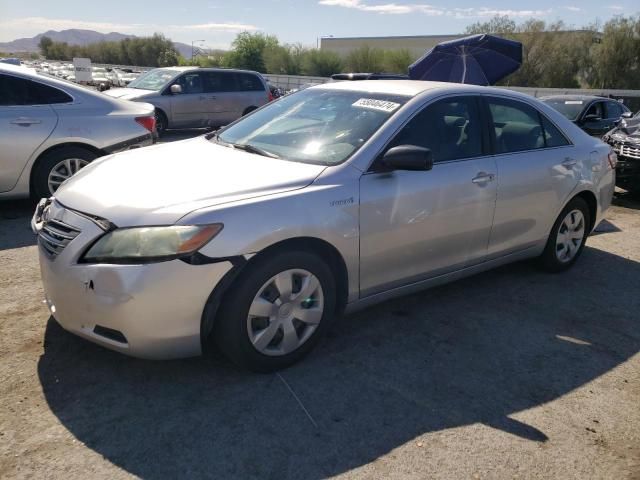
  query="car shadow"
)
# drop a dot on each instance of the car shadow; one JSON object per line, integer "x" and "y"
{"x": 15, "y": 228}
{"x": 622, "y": 198}
{"x": 475, "y": 351}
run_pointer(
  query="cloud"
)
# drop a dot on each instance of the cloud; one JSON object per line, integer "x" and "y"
{"x": 571, "y": 8}
{"x": 430, "y": 10}
{"x": 615, "y": 8}
{"x": 219, "y": 27}
{"x": 386, "y": 8}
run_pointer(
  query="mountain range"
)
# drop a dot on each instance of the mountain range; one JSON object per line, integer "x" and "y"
{"x": 75, "y": 37}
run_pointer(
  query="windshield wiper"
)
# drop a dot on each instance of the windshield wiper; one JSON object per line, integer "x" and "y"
{"x": 247, "y": 147}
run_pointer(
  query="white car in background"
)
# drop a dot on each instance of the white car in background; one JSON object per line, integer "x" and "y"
{"x": 51, "y": 128}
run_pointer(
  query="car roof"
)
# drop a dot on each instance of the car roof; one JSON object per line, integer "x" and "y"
{"x": 574, "y": 97}
{"x": 207, "y": 69}
{"x": 410, "y": 88}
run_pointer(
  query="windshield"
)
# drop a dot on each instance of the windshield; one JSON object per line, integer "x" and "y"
{"x": 569, "y": 108}
{"x": 153, "y": 79}
{"x": 313, "y": 126}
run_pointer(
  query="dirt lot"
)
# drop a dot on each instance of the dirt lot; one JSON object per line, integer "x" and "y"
{"x": 509, "y": 374}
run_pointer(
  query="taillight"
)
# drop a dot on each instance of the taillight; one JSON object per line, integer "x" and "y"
{"x": 613, "y": 159}
{"x": 271, "y": 97}
{"x": 147, "y": 122}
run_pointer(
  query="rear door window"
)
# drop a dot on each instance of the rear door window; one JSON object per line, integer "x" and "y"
{"x": 517, "y": 126}
{"x": 16, "y": 91}
{"x": 217, "y": 82}
{"x": 450, "y": 128}
{"x": 249, "y": 82}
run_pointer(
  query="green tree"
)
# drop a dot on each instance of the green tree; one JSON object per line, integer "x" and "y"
{"x": 44, "y": 45}
{"x": 365, "y": 59}
{"x": 247, "y": 51}
{"x": 616, "y": 57}
{"x": 321, "y": 63}
{"x": 398, "y": 61}
{"x": 284, "y": 59}
{"x": 500, "y": 24}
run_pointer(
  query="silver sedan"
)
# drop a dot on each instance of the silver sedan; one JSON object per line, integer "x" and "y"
{"x": 331, "y": 199}
{"x": 50, "y": 129}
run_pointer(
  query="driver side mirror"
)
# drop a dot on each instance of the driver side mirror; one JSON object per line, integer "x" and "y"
{"x": 175, "y": 89}
{"x": 408, "y": 157}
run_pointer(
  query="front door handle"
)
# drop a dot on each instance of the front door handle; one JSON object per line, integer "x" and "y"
{"x": 569, "y": 162}
{"x": 25, "y": 122}
{"x": 483, "y": 177}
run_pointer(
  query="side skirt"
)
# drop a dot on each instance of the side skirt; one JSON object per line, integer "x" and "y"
{"x": 365, "y": 302}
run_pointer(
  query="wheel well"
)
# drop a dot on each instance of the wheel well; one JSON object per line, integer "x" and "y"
{"x": 90, "y": 148}
{"x": 324, "y": 250}
{"x": 592, "y": 202}
{"x": 308, "y": 244}
{"x": 158, "y": 109}
{"x": 249, "y": 110}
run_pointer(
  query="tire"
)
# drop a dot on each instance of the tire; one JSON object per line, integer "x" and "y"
{"x": 248, "y": 110}
{"x": 560, "y": 255}
{"x": 161, "y": 122}
{"x": 66, "y": 160}
{"x": 236, "y": 331}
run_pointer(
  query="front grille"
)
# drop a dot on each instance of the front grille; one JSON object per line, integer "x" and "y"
{"x": 55, "y": 235}
{"x": 630, "y": 151}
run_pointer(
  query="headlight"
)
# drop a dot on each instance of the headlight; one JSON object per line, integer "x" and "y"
{"x": 150, "y": 244}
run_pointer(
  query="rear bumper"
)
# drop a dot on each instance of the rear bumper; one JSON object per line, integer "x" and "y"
{"x": 141, "y": 141}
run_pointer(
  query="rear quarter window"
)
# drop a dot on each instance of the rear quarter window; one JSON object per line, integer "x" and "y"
{"x": 248, "y": 82}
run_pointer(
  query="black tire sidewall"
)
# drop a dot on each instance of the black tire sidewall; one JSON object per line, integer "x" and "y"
{"x": 161, "y": 119}
{"x": 549, "y": 260}
{"x": 230, "y": 327}
{"x": 40, "y": 179}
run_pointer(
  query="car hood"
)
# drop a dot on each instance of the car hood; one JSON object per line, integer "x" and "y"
{"x": 158, "y": 185}
{"x": 628, "y": 130}
{"x": 127, "y": 93}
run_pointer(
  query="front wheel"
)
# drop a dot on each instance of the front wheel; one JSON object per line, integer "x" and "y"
{"x": 276, "y": 312}
{"x": 568, "y": 237}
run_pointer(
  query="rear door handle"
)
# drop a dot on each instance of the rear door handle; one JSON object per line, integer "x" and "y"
{"x": 483, "y": 177}
{"x": 25, "y": 122}
{"x": 569, "y": 162}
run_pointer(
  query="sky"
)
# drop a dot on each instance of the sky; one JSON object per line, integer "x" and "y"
{"x": 215, "y": 23}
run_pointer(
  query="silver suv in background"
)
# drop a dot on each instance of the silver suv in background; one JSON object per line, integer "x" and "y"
{"x": 193, "y": 97}
{"x": 50, "y": 128}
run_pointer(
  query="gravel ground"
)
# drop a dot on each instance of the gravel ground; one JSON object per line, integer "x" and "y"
{"x": 509, "y": 374}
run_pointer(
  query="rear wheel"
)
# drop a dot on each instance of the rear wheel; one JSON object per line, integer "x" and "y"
{"x": 568, "y": 237}
{"x": 161, "y": 122}
{"x": 276, "y": 312}
{"x": 57, "y": 166}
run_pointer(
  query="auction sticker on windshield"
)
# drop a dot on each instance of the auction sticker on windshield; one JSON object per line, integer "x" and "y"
{"x": 374, "y": 104}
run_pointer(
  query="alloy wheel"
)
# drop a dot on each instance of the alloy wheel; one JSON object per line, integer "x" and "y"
{"x": 570, "y": 236}
{"x": 285, "y": 312}
{"x": 64, "y": 170}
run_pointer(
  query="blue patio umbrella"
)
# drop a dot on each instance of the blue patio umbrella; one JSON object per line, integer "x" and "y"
{"x": 477, "y": 59}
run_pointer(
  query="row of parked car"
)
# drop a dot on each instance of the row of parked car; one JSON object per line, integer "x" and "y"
{"x": 101, "y": 77}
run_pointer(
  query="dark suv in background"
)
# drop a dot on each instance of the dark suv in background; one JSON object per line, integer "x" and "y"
{"x": 594, "y": 115}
